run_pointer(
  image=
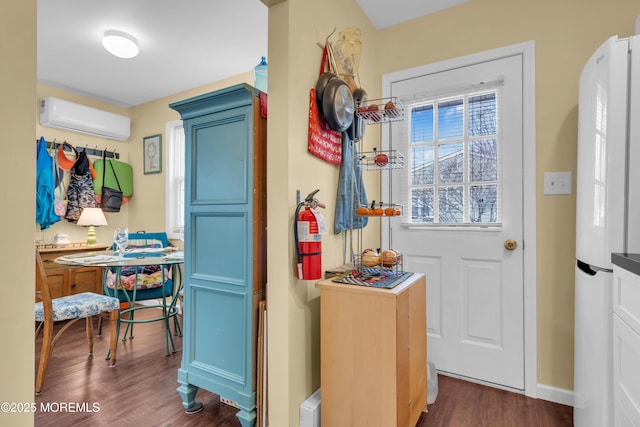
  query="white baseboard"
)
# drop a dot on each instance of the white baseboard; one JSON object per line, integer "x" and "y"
{"x": 554, "y": 394}
{"x": 544, "y": 392}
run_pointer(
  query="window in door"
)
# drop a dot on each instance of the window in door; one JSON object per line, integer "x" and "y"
{"x": 454, "y": 157}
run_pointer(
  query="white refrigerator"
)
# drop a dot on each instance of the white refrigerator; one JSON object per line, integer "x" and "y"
{"x": 607, "y": 217}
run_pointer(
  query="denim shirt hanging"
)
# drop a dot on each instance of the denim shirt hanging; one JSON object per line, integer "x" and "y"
{"x": 349, "y": 181}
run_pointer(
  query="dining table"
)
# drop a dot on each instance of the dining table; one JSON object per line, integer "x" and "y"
{"x": 169, "y": 259}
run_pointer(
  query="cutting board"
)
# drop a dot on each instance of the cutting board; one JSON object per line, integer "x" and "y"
{"x": 124, "y": 172}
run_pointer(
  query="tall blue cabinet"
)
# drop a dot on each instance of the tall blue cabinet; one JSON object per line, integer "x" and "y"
{"x": 225, "y": 245}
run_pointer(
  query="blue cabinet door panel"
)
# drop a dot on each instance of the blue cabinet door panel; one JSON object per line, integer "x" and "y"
{"x": 220, "y": 155}
{"x": 220, "y": 248}
{"x": 218, "y": 337}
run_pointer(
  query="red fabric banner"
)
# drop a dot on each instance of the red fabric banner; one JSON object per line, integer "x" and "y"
{"x": 323, "y": 142}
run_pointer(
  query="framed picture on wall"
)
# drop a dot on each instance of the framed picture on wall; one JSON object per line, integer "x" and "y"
{"x": 152, "y": 152}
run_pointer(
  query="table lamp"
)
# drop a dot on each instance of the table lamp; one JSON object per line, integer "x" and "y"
{"x": 92, "y": 217}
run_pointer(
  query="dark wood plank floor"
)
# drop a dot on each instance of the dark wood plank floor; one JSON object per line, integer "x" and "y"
{"x": 141, "y": 391}
{"x": 463, "y": 404}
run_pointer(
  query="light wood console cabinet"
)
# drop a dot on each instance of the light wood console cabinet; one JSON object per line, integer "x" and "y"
{"x": 64, "y": 280}
{"x": 373, "y": 353}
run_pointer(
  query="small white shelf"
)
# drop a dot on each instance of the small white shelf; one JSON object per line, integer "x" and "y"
{"x": 371, "y": 160}
{"x": 382, "y": 110}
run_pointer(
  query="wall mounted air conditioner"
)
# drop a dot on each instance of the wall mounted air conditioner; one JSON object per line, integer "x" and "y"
{"x": 58, "y": 113}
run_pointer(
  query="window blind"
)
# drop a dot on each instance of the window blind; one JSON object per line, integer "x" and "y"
{"x": 453, "y": 143}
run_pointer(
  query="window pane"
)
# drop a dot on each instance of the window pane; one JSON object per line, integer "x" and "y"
{"x": 482, "y": 115}
{"x": 484, "y": 205}
{"x": 450, "y": 204}
{"x": 450, "y": 163}
{"x": 422, "y": 205}
{"x": 451, "y": 119}
{"x": 180, "y": 211}
{"x": 422, "y": 165}
{"x": 174, "y": 220}
{"x": 483, "y": 160}
{"x": 454, "y": 164}
{"x": 422, "y": 124}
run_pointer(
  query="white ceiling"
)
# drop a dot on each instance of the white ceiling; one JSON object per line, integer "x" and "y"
{"x": 385, "y": 13}
{"x": 183, "y": 44}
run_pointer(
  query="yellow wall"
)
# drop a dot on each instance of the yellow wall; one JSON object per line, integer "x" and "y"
{"x": 294, "y": 62}
{"x": 150, "y": 119}
{"x": 104, "y": 234}
{"x": 149, "y": 195}
{"x": 17, "y": 174}
{"x": 566, "y": 34}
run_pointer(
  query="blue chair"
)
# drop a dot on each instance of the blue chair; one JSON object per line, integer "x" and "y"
{"x": 131, "y": 285}
{"x": 69, "y": 309}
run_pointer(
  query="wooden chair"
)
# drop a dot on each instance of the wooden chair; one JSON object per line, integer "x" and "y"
{"x": 70, "y": 309}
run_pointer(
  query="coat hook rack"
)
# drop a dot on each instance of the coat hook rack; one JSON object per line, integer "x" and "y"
{"x": 322, "y": 42}
{"x": 90, "y": 151}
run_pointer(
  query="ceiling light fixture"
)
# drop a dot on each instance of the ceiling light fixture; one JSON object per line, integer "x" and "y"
{"x": 120, "y": 44}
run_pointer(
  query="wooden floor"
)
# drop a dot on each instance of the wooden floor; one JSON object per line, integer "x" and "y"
{"x": 463, "y": 404}
{"x": 141, "y": 391}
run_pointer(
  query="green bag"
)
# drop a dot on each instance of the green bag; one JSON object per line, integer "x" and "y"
{"x": 122, "y": 169}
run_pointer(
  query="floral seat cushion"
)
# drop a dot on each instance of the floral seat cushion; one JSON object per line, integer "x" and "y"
{"x": 142, "y": 277}
{"x": 75, "y": 306}
{"x": 145, "y": 277}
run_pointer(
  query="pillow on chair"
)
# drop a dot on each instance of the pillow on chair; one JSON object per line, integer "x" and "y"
{"x": 144, "y": 243}
{"x": 148, "y": 277}
{"x": 148, "y": 285}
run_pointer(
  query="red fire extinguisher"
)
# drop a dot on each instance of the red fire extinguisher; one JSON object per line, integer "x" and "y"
{"x": 308, "y": 227}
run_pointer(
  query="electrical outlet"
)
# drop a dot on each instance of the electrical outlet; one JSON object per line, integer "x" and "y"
{"x": 557, "y": 183}
{"x": 229, "y": 402}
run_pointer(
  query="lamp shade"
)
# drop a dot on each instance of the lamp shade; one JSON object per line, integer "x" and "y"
{"x": 92, "y": 216}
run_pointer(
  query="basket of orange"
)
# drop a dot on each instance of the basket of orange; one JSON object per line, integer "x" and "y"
{"x": 390, "y": 258}
{"x": 379, "y": 209}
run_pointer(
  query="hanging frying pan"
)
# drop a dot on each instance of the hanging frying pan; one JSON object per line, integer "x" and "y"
{"x": 323, "y": 80}
{"x": 337, "y": 104}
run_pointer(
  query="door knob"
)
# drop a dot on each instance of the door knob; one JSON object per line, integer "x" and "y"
{"x": 510, "y": 244}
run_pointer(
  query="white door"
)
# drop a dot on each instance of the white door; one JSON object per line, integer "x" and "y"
{"x": 462, "y": 191}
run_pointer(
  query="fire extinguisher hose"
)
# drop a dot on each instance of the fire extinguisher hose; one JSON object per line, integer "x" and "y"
{"x": 295, "y": 234}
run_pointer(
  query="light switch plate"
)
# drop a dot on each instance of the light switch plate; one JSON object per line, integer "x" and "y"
{"x": 557, "y": 183}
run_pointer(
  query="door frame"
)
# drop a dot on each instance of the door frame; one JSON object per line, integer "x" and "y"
{"x": 527, "y": 50}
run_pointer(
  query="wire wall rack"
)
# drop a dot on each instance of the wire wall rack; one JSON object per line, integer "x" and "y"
{"x": 90, "y": 151}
